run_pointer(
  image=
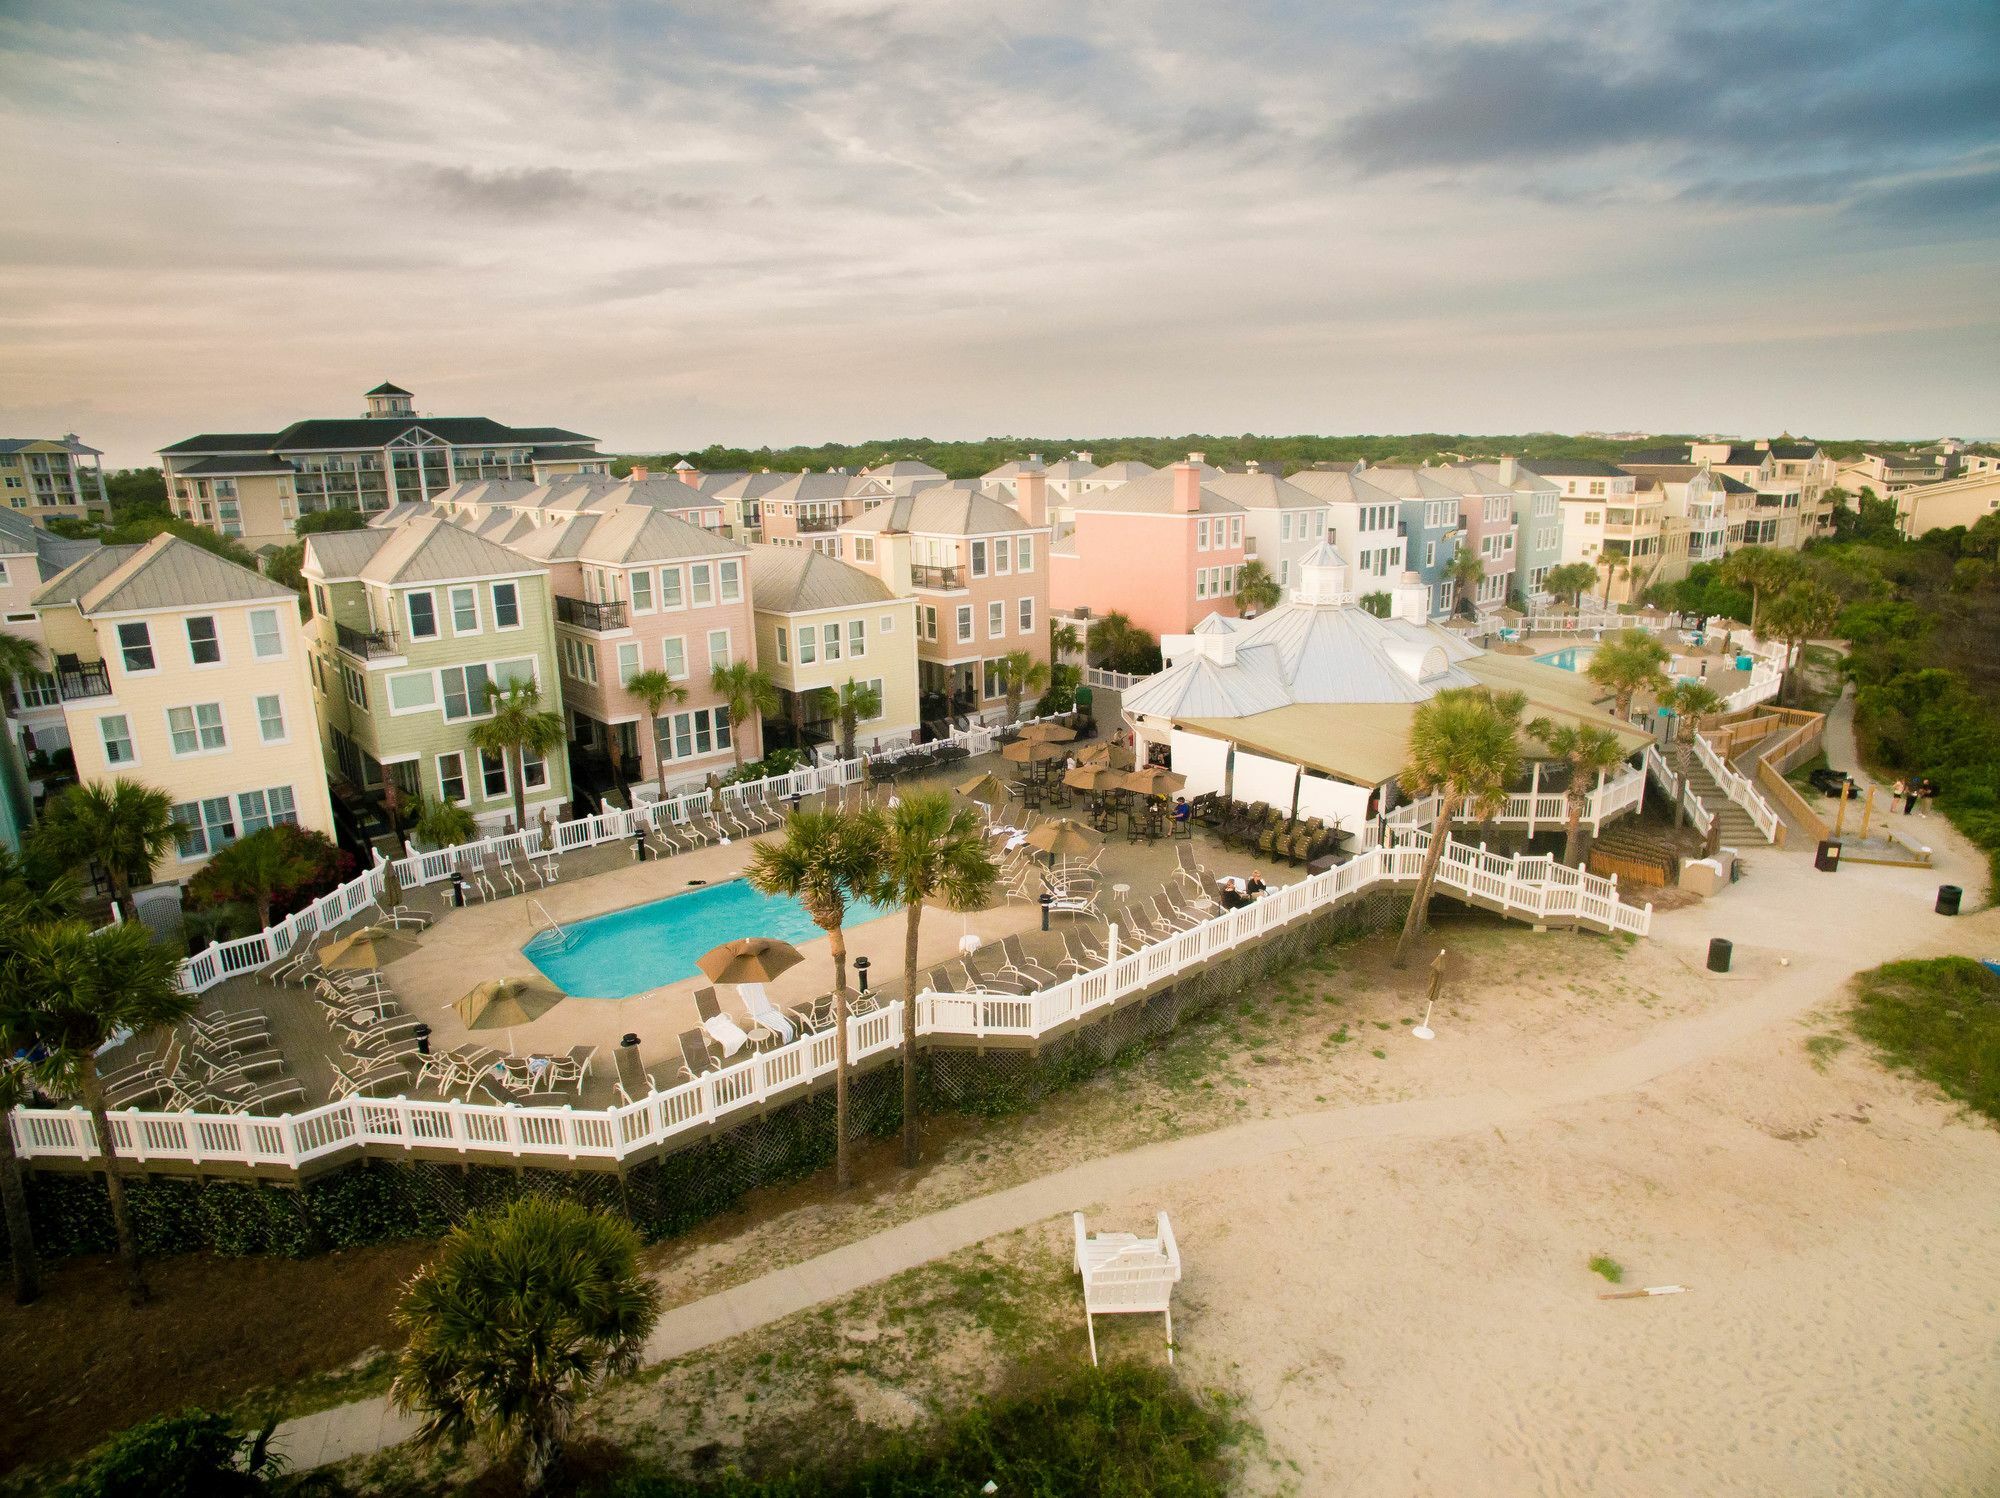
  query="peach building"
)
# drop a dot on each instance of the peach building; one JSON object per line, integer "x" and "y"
{"x": 1164, "y": 550}
{"x": 639, "y": 589}
{"x": 980, "y": 574}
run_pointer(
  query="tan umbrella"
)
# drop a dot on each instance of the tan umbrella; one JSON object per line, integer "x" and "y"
{"x": 749, "y": 959}
{"x": 1029, "y": 752}
{"x": 392, "y": 887}
{"x": 1117, "y": 756}
{"x": 1095, "y": 778}
{"x": 986, "y": 789}
{"x": 1047, "y": 733}
{"x": 504, "y": 1003}
{"x": 548, "y": 832}
{"x": 1063, "y": 839}
{"x": 373, "y": 946}
{"x": 1154, "y": 781}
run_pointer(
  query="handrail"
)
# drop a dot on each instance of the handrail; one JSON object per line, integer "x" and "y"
{"x": 1739, "y": 789}
{"x": 1536, "y": 888}
{"x": 550, "y": 922}
{"x": 1539, "y": 809}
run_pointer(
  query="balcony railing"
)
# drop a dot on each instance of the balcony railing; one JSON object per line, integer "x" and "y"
{"x": 937, "y": 577}
{"x": 819, "y": 522}
{"x": 364, "y": 643}
{"x": 89, "y": 679}
{"x": 584, "y": 614}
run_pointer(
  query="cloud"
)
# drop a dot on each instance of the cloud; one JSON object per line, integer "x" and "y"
{"x": 516, "y": 192}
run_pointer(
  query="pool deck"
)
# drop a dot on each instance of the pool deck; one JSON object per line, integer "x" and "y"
{"x": 468, "y": 946}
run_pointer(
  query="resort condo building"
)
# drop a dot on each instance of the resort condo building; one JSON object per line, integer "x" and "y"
{"x": 641, "y": 589}
{"x": 979, "y": 574}
{"x": 821, "y": 624}
{"x": 187, "y": 673}
{"x": 1363, "y": 523}
{"x": 46, "y": 477}
{"x": 29, "y": 557}
{"x": 411, "y": 624}
{"x": 1281, "y": 521}
{"x": 255, "y": 485}
{"x": 1609, "y": 524}
{"x": 1537, "y": 521}
{"x": 1164, "y": 550}
{"x": 1787, "y": 481}
{"x": 1425, "y": 518}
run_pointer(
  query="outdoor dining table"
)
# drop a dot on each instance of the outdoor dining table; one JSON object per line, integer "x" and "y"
{"x": 726, "y": 1033}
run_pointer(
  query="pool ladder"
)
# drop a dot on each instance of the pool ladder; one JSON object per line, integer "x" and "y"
{"x": 553, "y": 927}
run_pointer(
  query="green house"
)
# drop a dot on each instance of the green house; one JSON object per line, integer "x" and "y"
{"x": 410, "y": 624}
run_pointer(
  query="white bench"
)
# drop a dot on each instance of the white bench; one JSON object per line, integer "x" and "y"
{"x": 1123, "y": 1273}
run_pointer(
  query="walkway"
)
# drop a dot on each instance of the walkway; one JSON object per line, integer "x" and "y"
{"x": 1799, "y": 934}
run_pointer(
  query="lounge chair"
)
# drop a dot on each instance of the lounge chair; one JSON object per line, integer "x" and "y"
{"x": 996, "y": 977}
{"x": 697, "y": 1054}
{"x": 240, "y": 1095}
{"x": 575, "y": 1066}
{"x": 1018, "y": 961}
{"x": 633, "y": 1083}
{"x": 363, "y": 1075}
{"x": 758, "y": 1005}
{"x": 706, "y": 1004}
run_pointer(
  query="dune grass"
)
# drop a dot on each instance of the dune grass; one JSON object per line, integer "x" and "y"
{"x": 1610, "y": 1268}
{"x": 1939, "y": 1019}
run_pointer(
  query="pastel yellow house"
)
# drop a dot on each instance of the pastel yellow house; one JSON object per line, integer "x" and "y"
{"x": 821, "y": 623}
{"x": 187, "y": 673}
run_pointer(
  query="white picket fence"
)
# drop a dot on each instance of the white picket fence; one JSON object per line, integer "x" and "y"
{"x": 1767, "y": 677}
{"x": 1663, "y": 776}
{"x": 222, "y": 961}
{"x": 1110, "y": 681}
{"x": 1538, "y": 810}
{"x": 1536, "y": 889}
{"x": 1739, "y": 788}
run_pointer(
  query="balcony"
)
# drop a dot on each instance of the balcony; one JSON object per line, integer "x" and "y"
{"x": 819, "y": 523}
{"x": 584, "y": 614}
{"x": 86, "y": 679}
{"x": 364, "y": 643}
{"x": 951, "y": 579}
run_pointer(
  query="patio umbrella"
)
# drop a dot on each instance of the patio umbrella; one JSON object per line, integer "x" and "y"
{"x": 372, "y": 946}
{"x": 986, "y": 789}
{"x": 548, "y": 832}
{"x": 392, "y": 888}
{"x": 1047, "y": 733}
{"x": 1032, "y": 752}
{"x": 749, "y": 959}
{"x": 504, "y": 1003}
{"x": 1094, "y": 778}
{"x": 1063, "y": 838}
{"x": 1154, "y": 781}
{"x": 1117, "y": 756}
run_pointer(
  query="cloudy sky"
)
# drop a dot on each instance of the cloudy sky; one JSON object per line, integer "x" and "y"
{"x": 667, "y": 225}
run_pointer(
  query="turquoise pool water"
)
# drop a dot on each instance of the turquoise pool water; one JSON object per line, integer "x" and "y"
{"x": 1569, "y": 658}
{"x": 629, "y": 951}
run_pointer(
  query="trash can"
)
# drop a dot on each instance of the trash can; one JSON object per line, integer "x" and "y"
{"x": 1948, "y": 897}
{"x": 423, "y": 1034}
{"x": 1828, "y": 857}
{"x": 1719, "y": 950}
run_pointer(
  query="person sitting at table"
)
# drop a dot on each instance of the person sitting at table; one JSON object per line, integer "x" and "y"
{"x": 1182, "y": 811}
{"x": 1254, "y": 886}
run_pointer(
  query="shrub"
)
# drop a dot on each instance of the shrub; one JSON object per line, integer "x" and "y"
{"x": 329, "y": 865}
{"x": 194, "y": 1454}
{"x": 1938, "y": 1018}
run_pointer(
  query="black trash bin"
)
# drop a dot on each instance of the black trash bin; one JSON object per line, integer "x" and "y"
{"x": 423, "y": 1034}
{"x": 1719, "y": 950}
{"x": 1828, "y": 857}
{"x": 1948, "y": 897}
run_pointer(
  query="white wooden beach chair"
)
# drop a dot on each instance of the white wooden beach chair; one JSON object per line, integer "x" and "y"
{"x": 1125, "y": 1273}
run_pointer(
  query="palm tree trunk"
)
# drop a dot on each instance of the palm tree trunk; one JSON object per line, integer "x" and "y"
{"x": 659, "y": 759}
{"x": 539, "y": 1449}
{"x": 520, "y": 790}
{"x": 910, "y": 1141}
{"x": 1573, "y": 800}
{"x": 264, "y": 909}
{"x": 20, "y": 1229}
{"x": 843, "y": 1166}
{"x": 1413, "y": 924}
{"x": 121, "y": 894}
{"x": 114, "y": 1183}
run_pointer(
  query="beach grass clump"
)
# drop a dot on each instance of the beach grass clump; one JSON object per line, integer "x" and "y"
{"x": 1938, "y": 1018}
{"x": 1612, "y": 1271}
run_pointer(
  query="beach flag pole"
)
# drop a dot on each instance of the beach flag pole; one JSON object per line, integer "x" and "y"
{"x": 1642, "y": 1294}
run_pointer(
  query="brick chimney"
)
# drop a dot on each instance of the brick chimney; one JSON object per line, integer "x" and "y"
{"x": 1187, "y": 485}
{"x": 1508, "y": 468}
{"x": 688, "y": 474}
{"x": 1197, "y": 458}
{"x": 1083, "y": 457}
{"x": 1031, "y": 498}
{"x": 640, "y": 473}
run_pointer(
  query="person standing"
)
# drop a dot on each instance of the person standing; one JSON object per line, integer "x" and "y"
{"x": 1910, "y": 794}
{"x": 1901, "y": 792}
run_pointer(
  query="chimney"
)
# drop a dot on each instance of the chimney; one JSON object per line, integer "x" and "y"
{"x": 690, "y": 475}
{"x": 1197, "y": 458}
{"x": 1187, "y": 486}
{"x": 1083, "y": 457}
{"x": 640, "y": 473}
{"x": 1031, "y": 498}
{"x": 1507, "y": 469}
{"x": 1251, "y": 465}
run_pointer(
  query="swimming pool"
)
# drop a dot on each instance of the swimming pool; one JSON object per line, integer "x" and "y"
{"x": 629, "y": 951}
{"x": 1569, "y": 658}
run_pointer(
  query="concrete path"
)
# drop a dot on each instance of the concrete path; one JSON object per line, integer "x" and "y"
{"x": 1815, "y": 930}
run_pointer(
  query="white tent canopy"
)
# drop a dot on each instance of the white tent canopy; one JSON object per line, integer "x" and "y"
{"x": 1268, "y": 780}
{"x": 1204, "y": 761}
{"x": 1333, "y": 801}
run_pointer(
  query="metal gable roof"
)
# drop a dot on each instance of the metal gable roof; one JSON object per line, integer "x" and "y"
{"x": 797, "y": 579}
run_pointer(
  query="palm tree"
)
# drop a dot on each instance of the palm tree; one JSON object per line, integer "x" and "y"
{"x": 1466, "y": 572}
{"x": 825, "y": 859}
{"x": 257, "y": 867}
{"x": 1118, "y": 644}
{"x": 524, "y": 1310}
{"x": 124, "y": 826}
{"x": 1690, "y": 702}
{"x": 931, "y": 850}
{"x": 16, "y": 1086}
{"x": 1569, "y": 581}
{"x": 1589, "y": 753}
{"x": 1762, "y": 572}
{"x": 745, "y": 690}
{"x": 1021, "y": 673}
{"x": 68, "y": 990}
{"x": 1614, "y": 564}
{"x": 1629, "y": 660}
{"x": 443, "y": 824}
{"x": 854, "y": 701}
{"x": 1802, "y": 611}
{"x": 1063, "y": 640}
{"x": 1462, "y": 746}
{"x": 1256, "y": 589}
{"x": 19, "y": 657}
{"x": 655, "y": 689}
{"x": 520, "y": 726}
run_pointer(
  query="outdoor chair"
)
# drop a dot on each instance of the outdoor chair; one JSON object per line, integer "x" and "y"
{"x": 757, "y": 1004}
{"x": 399, "y": 917}
{"x": 697, "y": 1054}
{"x": 294, "y": 966}
{"x": 363, "y": 1075}
{"x": 236, "y": 1024}
{"x": 814, "y": 1015}
{"x": 575, "y": 1066}
{"x": 706, "y": 1004}
{"x": 240, "y": 1095}
{"x": 995, "y": 975}
{"x": 633, "y": 1080}
{"x": 1018, "y": 961}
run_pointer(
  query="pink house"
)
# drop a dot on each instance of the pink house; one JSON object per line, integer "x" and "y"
{"x": 639, "y": 589}
{"x": 1164, "y": 550}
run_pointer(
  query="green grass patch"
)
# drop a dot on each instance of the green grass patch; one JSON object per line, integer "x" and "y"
{"x": 1939, "y": 1019}
{"x": 1612, "y": 1271}
{"x": 1823, "y": 1048}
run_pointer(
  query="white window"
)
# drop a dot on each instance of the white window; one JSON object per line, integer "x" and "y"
{"x": 700, "y": 590}
{"x": 673, "y": 658}
{"x": 506, "y": 606}
{"x": 117, "y": 734}
{"x": 422, "y": 609}
{"x": 271, "y": 719}
{"x": 978, "y": 561}
{"x": 965, "y": 621}
{"x": 808, "y": 644}
{"x": 886, "y": 625}
{"x": 996, "y": 619}
{"x": 729, "y": 575}
{"x": 1235, "y": 530}
{"x": 412, "y": 691}
{"x": 718, "y": 647}
{"x": 864, "y": 548}
{"x": 266, "y": 808}
{"x": 1430, "y": 553}
{"x": 628, "y": 660}
{"x": 670, "y": 588}
{"x": 1226, "y": 575}
{"x": 465, "y": 611}
{"x": 1284, "y": 573}
{"x": 534, "y": 770}
{"x": 493, "y": 775}
{"x": 1003, "y": 556}
{"x": 267, "y": 637}
{"x": 356, "y": 685}
{"x": 686, "y": 735}
{"x": 1201, "y": 535}
{"x": 1027, "y": 616}
{"x": 206, "y": 826}
{"x": 204, "y": 647}
{"x": 784, "y": 646}
{"x": 1201, "y": 582}
{"x": 465, "y": 692}
{"x": 451, "y": 776}
{"x": 1285, "y": 526}
{"x": 136, "y": 644}
{"x": 319, "y": 600}
{"x": 857, "y": 638}
{"x": 197, "y": 729}
{"x": 642, "y": 592}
